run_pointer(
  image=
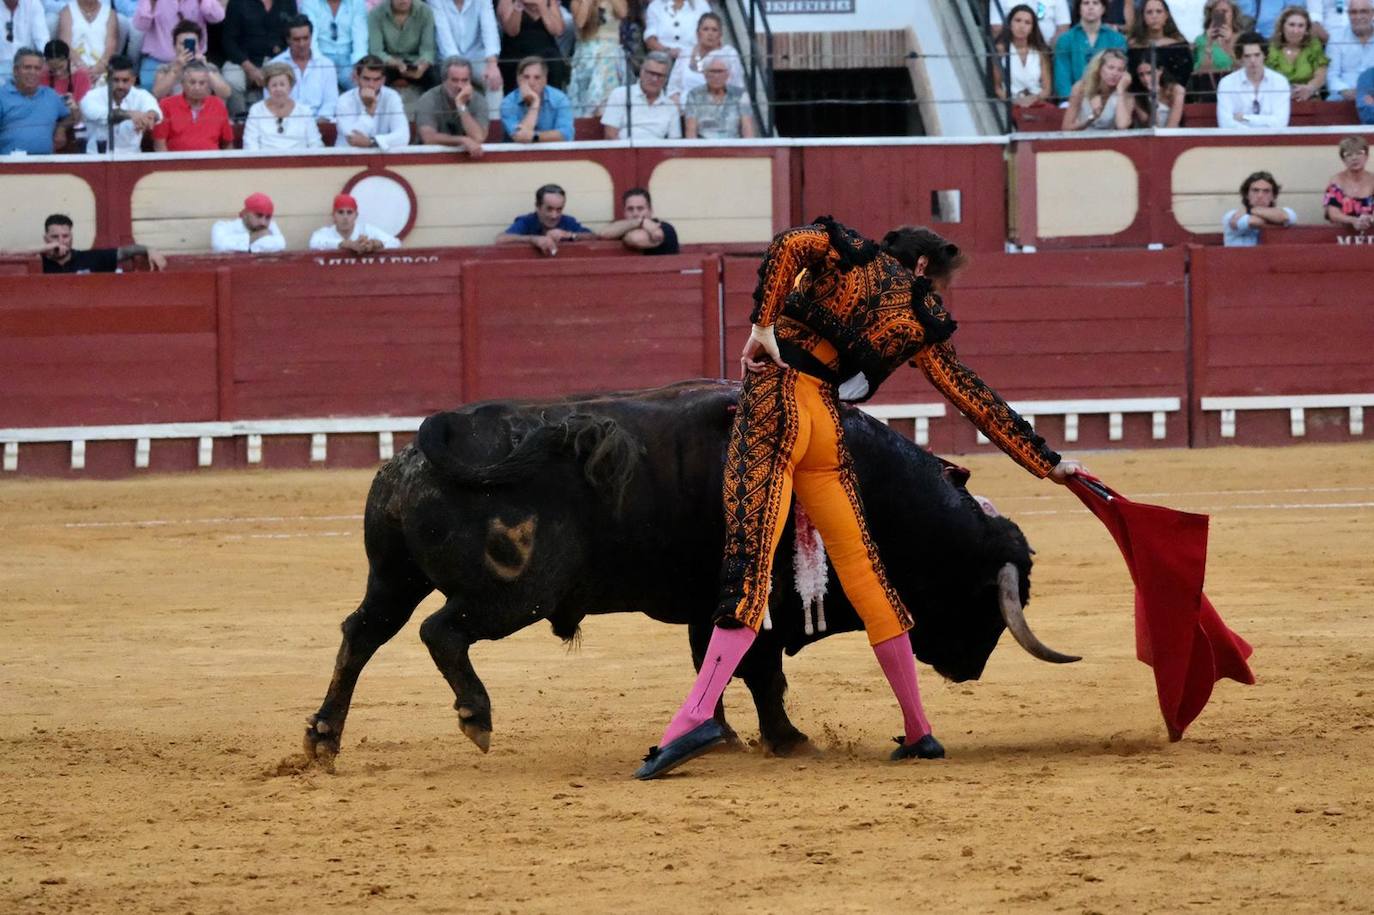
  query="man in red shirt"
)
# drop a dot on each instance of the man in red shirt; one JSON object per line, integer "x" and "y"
{"x": 194, "y": 120}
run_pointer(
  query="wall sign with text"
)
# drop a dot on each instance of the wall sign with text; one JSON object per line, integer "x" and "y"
{"x": 782, "y": 7}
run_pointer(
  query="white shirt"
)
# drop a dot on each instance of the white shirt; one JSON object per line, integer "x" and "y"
{"x": 1188, "y": 17}
{"x": 297, "y": 130}
{"x": 88, "y": 38}
{"x": 1051, "y": 14}
{"x": 388, "y": 126}
{"x": 230, "y": 236}
{"x": 685, "y": 78}
{"x": 316, "y": 86}
{"x": 329, "y": 238}
{"x": 1330, "y": 13}
{"x": 1026, "y": 78}
{"x": 1349, "y": 58}
{"x": 1246, "y": 233}
{"x": 674, "y": 28}
{"x": 470, "y": 32}
{"x": 658, "y": 121}
{"x": 127, "y": 138}
{"x": 30, "y": 31}
{"x": 1237, "y": 95}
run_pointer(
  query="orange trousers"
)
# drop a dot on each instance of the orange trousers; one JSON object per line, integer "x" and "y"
{"x": 787, "y": 439}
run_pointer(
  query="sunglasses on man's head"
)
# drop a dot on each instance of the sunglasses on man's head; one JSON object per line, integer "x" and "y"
{"x": 9, "y": 30}
{"x": 281, "y": 127}
{"x": 1255, "y": 107}
{"x": 333, "y": 31}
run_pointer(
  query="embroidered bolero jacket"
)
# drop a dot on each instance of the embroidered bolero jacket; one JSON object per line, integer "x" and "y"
{"x": 841, "y": 306}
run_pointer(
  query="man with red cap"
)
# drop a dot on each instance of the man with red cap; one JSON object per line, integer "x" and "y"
{"x": 253, "y": 232}
{"x": 347, "y": 234}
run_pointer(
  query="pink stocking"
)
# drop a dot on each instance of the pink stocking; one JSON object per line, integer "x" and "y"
{"x": 895, "y": 658}
{"x": 723, "y": 655}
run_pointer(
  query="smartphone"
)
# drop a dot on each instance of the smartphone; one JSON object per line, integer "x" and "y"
{"x": 1218, "y": 17}
{"x": 188, "y": 42}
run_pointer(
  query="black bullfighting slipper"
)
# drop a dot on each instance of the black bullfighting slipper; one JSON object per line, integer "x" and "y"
{"x": 698, "y": 740}
{"x": 925, "y": 748}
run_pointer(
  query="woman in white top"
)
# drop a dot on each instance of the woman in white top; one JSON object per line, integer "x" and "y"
{"x": 689, "y": 70}
{"x": 91, "y": 29}
{"x": 1101, "y": 100}
{"x": 277, "y": 122}
{"x": 670, "y": 25}
{"x": 1028, "y": 59}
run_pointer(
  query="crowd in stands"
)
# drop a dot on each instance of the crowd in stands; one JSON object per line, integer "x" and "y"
{"x": 1115, "y": 64}
{"x": 368, "y": 73}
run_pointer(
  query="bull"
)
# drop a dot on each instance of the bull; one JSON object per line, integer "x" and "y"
{"x": 525, "y": 511}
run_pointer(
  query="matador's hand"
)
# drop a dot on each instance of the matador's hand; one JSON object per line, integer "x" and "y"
{"x": 1064, "y": 470}
{"x": 761, "y": 340}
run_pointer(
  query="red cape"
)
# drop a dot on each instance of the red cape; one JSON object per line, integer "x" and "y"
{"x": 1177, "y": 630}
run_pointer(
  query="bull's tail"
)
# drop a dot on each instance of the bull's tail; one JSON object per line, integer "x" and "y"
{"x": 607, "y": 453}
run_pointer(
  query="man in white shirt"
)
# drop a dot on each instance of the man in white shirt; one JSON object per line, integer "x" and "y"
{"x": 1328, "y": 17}
{"x": 317, "y": 84}
{"x": 254, "y": 231}
{"x": 1052, "y": 15}
{"x": 1351, "y": 50}
{"x": 347, "y": 234}
{"x": 371, "y": 114}
{"x": 467, "y": 29}
{"x": 133, "y": 110}
{"x": 1253, "y": 97}
{"x": 23, "y": 24}
{"x": 652, "y": 114}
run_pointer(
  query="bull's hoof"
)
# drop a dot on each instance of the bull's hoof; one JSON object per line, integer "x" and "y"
{"x": 476, "y": 727}
{"x": 321, "y": 742}
{"x": 795, "y": 746}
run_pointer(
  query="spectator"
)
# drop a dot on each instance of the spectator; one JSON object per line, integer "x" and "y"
{"x": 130, "y": 40}
{"x": 58, "y": 74}
{"x": 1117, "y": 15}
{"x": 189, "y": 47}
{"x": 1259, "y": 210}
{"x": 1051, "y": 15}
{"x": 1327, "y": 16}
{"x": 1297, "y": 55}
{"x": 1102, "y": 99}
{"x": 401, "y": 33}
{"x": 347, "y": 235}
{"x": 1351, "y": 50}
{"x": 295, "y": 123}
{"x": 340, "y": 30}
{"x": 1254, "y": 96}
{"x": 1189, "y": 16}
{"x": 59, "y": 256}
{"x": 454, "y": 113}
{"x": 1364, "y": 96}
{"x": 194, "y": 119}
{"x": 371, "y": 114}
{"x": 1213, "y": 50}
{"x": 468, "y": 29}
{"x": 643, "y": 111}
{"x": 1081, "y": 44}
{"x": 547, "y": 225}
{"x": 535, "y": 112}
{"x": 91, "y": 30}
{"x": 670, "y": 25}
{"x": 1349, "y": 197}
{"x": 254, "y": 33}
{"x": 718, "y": 110}
{"x": 598, "y": 63}
{"x": 25, "y": 26}
{"x": 1155, "y": 37}
{"x": 639, "y": 230}
{"x": 1162, "y": 91}
{"x": 530, "y": 28}
{"x": 315, "y": 85}
{"x": 1265, "y": 14}
{"x": 1026, "y": 58}
{"x": 33, "y": 118}
{"x": 689, "y": 70}
{"x": 158, "y": 21}
{"x": 133, "y": 111}
{"x": 254, "y": 232}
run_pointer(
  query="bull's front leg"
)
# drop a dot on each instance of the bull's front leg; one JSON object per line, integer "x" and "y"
{"x": 448, "y": 634}
{"x": 762, "y": 673}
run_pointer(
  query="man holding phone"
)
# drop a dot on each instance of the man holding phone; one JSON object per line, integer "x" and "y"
{"x": 401, "y": 33}
{"x": 189, "y": 49}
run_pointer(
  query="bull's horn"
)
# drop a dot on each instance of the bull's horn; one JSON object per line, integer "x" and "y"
{"x": 1009, "y": 597}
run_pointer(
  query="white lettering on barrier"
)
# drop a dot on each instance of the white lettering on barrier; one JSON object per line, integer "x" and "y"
{"x": 1355, "y": 239}
{"x": 378, "y": 261}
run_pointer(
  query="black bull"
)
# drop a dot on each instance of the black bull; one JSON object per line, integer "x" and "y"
{"x": 521, "y": 511}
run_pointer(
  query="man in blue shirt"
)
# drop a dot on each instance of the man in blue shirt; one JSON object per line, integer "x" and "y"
{"x": 33, "y": 118}
{"x": 1265, "y": 13}
{"x": 536, "y": 112}
{"x": 547, "y": 225}
{"x": 340, "y": 34}
{"x": 1364, "y": 96}
{"x": 1080, "y": 44}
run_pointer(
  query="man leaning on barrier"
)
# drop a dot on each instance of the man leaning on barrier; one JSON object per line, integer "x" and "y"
{"x": 59, "y": 256}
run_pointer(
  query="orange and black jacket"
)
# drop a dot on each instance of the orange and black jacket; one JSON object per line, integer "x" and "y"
{"x": 841, "y": 305}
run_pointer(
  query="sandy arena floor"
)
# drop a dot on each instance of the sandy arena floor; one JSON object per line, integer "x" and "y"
{"x": 162, "y": 641}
